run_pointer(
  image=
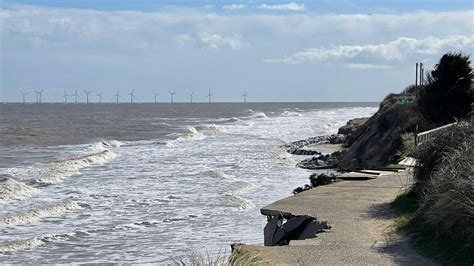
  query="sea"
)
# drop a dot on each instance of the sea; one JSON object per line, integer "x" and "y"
{"x": 148, "y": 183}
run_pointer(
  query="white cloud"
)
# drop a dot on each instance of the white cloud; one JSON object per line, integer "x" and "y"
{"x": 362, "y": 66}
{"x": 234, "y": 6}
{"x": 289, "y": 6}
{"x": 393, "y": 50}
{"x": 218, "y": 41}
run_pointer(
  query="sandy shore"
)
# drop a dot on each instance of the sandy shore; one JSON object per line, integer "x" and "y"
{"x": 361, "y": 221}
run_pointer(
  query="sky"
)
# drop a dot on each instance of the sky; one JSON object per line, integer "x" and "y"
{"x": 321, "y": 50}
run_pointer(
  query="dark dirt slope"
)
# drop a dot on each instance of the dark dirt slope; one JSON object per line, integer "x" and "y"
{"x": 376, "y": 142}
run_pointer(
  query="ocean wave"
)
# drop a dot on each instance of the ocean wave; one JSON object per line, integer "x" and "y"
{"x": 216, "y": 174}
{"x": 199, "y": 132}
{"x": 38, "y": 214}
{"x": 291, "y": 113}
{"x": 54, "y": 172}
{"x": 106, "y": 144}
{"x": 10, "y": 189}
{"x": 21, "y": 245}
{"x": 210, "y": 129}
{"x": 235, "y": 195}
{"x": 26, "y": 244}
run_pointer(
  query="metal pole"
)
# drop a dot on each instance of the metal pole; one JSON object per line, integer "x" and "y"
{"x": 416, "y": 75}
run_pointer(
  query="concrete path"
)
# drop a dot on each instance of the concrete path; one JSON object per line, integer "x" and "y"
{"x": 361, "y": 220}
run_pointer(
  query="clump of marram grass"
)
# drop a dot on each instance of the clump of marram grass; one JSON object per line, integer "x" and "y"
{"x": 447, "y": 204}
{"x": 219, "y": 258}
{"x": 431, "y": 153}
{"x": 439, "y": 210}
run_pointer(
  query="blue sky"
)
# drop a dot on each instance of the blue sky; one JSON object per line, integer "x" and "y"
{"x": 275, "y": 50}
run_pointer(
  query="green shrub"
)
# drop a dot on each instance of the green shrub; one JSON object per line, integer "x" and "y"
{"x": 448, "y": 93}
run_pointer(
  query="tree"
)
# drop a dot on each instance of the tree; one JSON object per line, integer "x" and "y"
{"x": 448, "y": 94}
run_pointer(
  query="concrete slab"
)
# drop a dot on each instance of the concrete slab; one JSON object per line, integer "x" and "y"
{"x": 361, "y": 221}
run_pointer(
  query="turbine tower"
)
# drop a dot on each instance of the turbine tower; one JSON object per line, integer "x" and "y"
{"x": 23, "y": 94}
{"x": 100, "y": 96}
{"x": 132, "y": 95}
{"x": 39, "y": 96}
{"x": 65, "y": 96}
{"x": 155, "y": 94}
{"x": 75, "y": 96}
{"x": 87, "y": 95}
{"x": 191, "y": 97}
{"x": 209, "y": 96}
{"x": 245, "y": 96}
{"x": 117, "y": 96}
{"x": 172, "y": 93}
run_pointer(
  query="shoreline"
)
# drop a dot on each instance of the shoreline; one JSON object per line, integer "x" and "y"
{"x": 356, "y": 211}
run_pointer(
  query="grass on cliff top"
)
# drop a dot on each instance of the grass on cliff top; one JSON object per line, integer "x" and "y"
{"x": 425, "y": 238}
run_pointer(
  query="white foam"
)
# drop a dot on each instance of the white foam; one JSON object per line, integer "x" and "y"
{"x": 38, "y": 214}
{"x": 103, "y": 144}
{"x": 10, "y": 189}
{"x": 236, "y": 195}
{"x": 291, "y": 113}
{"x": 55, "y": 172}
{"x": 210, "y": 129}
{"x": 20, "y": 245}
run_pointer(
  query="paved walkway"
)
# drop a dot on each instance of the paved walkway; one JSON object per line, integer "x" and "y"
{"x": 361, "y": 220}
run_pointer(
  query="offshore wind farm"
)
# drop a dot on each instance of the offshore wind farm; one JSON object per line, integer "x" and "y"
{"x": 115, "y": 98}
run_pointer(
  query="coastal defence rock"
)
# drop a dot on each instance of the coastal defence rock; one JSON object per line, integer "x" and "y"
{"x": 376, "y": 142}
{"x": 297, "y": 147}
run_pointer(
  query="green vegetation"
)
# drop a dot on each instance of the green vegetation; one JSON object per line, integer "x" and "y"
{"x": 449, "y": 93}
{"x": 220, "y": 258}
{"x": 438, "y": 211}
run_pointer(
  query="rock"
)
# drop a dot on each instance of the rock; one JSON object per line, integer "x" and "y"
{"x": 351, "y": 126}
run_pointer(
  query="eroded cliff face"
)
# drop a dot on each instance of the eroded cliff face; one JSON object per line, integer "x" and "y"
{"x": 377, "y": 141}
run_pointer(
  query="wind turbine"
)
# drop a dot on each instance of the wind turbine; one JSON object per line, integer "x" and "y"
{"x": 87, "y": 95}
{"x": 75, "y": 96}
{"x": 65, "y": 96}
{"x": 191, "y": 97}
{"x": 155, "y": 94}
{"x": 24, "y": 94}
{"x": 39, "y": 96}
{"x": 245, "y": 96}
{"x": 100, "y": 96}
{"x": 132, "y": 95}
{"x": 172, "y": 93}
{"x": 209, "y": 95}
{"x": 117, "y": 96}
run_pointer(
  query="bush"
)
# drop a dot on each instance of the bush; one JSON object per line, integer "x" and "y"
{"x": 448, "y": 93}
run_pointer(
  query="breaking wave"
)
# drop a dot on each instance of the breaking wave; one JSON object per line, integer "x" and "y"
{"x": 10, "y": 189}
{"x": 291, "y": 113}
{"x": 54, "y": 172}
{"x": 38, "y": 214}
{"x": 236, "y": 198}
{"x": 26, "y": 244}
{"x": 21, "y": 245}
{"x": 106, "y": 144}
